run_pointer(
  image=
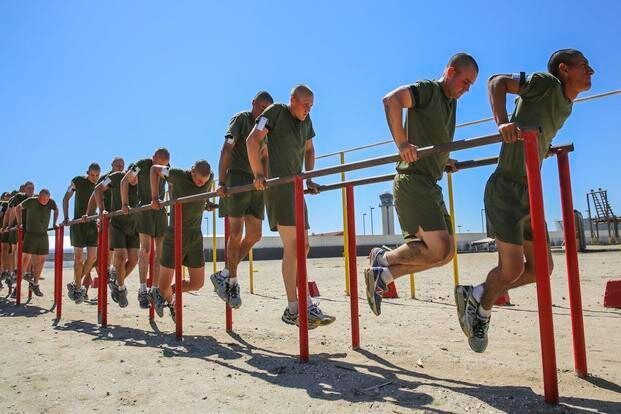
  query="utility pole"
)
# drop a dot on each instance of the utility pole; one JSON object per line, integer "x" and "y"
{"x": 371, "y": 208}
{"x": 364, "y": 224}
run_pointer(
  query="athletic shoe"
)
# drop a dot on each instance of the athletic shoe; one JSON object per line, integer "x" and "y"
{"x": 462, "y": 293}
{"x": 478, "y": 340}
{"x": 79, "y": 295}
{"x": 234, "y": 300}
{"x": 143, "y": 299}
{"x": 289, "y": 318}
{"x": 112, "y": 275}
{"x": 122, "y": 297}
{"x": 14, "y": 294}
{"x": 157, "y": 300}
{"x": 375, "y": 288}
{"x": 29, "y": 277}
{"x": 171, "y": 309}
{"x": 35, "y": 289}
{"x": 219, "y": 285}
{"x": 317, "y": 318}
{"x": 85, "y": 293}
{"x": 376, "y": 252}
{"x": 71, "y": 290}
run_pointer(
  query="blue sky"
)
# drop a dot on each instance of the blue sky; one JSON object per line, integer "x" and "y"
{"x": 85, "y": 81}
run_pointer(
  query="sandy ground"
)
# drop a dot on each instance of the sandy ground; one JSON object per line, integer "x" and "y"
{"x": 414, "y": 357}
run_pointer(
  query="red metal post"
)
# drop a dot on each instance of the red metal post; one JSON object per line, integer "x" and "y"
{"x": 20, "y": 270}
{"x": 353, "y": 273}
{"x": 58, "y": 270}
{"x": 104, "y": 247}
{"x": 544, "y": 296}
{"x": 300, "y": 233}
{"x": 571, "y": 258}
{"x": 101, "y": 270}
{"x": 228, "y": 310}
{"x": 151, "y": 273}
{"x": 177, "y": 211}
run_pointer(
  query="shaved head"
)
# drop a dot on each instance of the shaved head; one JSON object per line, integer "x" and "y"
{"x": 301, "y": 91}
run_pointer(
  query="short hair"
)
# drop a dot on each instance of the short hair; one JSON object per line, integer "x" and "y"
{"x": 27, "y": 183}
{"x": 565, "y": 56}
{"x": 6, "y": 194}
{"x": 264, "y": 96}
{"x": 301, "y": 90}
{"x": 116, "y": 159}
{"x": 162, "y": 152}
{"x": 94, "y": 167}
{"x": 44, "y": 191}
{"x": 461, "y": 60}
{"x": 202, "y": 167}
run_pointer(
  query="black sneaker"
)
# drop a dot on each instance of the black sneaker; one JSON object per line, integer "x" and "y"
{"x": 317, "y": 317}
{"x": 85, "y": 293}
{"x": 157, "y": 300}
{"x": 79, "y": 295}
{"x": 71, "y": 290}
{"x": 35, "y": 289}
{"x": 219, "y": 285}
{"x": 462, "y": 293}
{"x": 14, "y": 294}
{"x": 114, "y": 290}
{"x": 234, "y": 299}
{"x": 289, "y": 318}
{"x": 143, "y": 299}
{"x": 122, "y": 297}
{"x": 478, "y": 340}
{"x": 375, "y": 287}
{"x": 29, "y": 277}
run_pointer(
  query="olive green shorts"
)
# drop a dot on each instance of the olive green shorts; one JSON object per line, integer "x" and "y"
{"x": 419, "y": 204}
{"x": 507, "y": 209}
{"x": 83, "y": 234}
{"x": 152, "y": 222}
{"x": 249, "y": 203}
{"x": 280, "y": 204}
{"x": 11, "y": 237}
{"x": 4, "y": 237}
{"x": 191, "y": 249}
{"x": 36, "y": 243}
{"x": 123, "y": 234}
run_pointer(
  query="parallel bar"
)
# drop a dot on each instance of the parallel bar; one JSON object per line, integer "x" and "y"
{"x": 353, "y": 269}
{"x": 151, "y": 275}
{"x": 227, "y": 308}
{"x": 105, "y": 248}
{"x": 544, "y": 296}
{"x": 177, "y": 214}
{"x": 302, "y": 282}
{"x": 20, "y": 270}
{"x": 571, "y": 258}
{"x": 449, "y": 179}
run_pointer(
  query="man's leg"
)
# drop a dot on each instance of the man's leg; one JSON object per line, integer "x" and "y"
{"x": 251, "y": 237}
{"x": 158, "y": 254}
{"x": 434, "y": 248}
{"x": 528, "y": 276}
{"x": 118, "y": 290}
{"x": 78, "y": 266}
{"x": 143, "y": 258}
{"x": 233, "y": 253}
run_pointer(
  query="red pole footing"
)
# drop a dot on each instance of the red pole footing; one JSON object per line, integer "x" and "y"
{"x": 58, "y": 270}
{"x": 571, "y": 258}
{"x": 227, "y": 309}
{"x": 20, "y": 270}
{"x": 177, "y": 211}
{"x": 302, "y": 283}
{"x": 544, "y": 296}
{"x": 353, "y": 270}
{"x": 150, "y": 278}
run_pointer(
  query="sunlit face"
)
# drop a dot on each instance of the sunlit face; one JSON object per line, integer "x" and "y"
{"x": 133, "y": 179}
{"x": 92, "y": 176}
{"x": 29, "y": 189}
{"x": 159, "y": 160}
{"x": 459, "y": 80}
{"x": 200, "y": 180}
{"x": 118, "y": 165}
{"x": 578, "y": 74}
{"x": 44, "y": 198}
{"x": 301, "y": 106}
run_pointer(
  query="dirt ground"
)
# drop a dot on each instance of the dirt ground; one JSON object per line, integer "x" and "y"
{"x": 414, "y": 357}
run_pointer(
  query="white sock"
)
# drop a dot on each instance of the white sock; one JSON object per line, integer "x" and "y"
{"x": 232, "y": 281}
{"x": 484, "y": 313}
{"x": 386, "y": 275}
{"x": 121, "y": 287}
{"x": 309, "y": 301}
{"x": 143, "y": 287}
{"x": 225, "y": 272}
{"x": 293, "y": 307}
{"x": 381, "y": 259}
{"x": 478, "y": 292}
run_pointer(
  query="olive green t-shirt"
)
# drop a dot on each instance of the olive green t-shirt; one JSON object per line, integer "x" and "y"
{"x": 83, "y": 188}
{"x": 240, "y": 126}
{"x": 541, "y": 103}
{"x": 113, "y": 182}
{"x": 106, "y": 195}
{"x": 142, "y": 169}
{"x": 286, "y": 139}
{"x": 182, "y": 185}
{"x": 431, "y": 121}
{"x": 37, "y": 215}
{"x": 16, "y": 200}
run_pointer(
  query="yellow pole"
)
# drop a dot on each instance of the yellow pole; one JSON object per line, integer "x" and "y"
{"x": 345, "y": 242}
{"x": 214, "y": 244}
{"x": 449, "y": 178}
{"x": 412, "y": 286}
{"x": 251, "y": 271}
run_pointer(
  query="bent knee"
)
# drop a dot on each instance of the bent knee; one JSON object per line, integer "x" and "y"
{"x": 511, "y": 270}
{"x": 196, "y": 284}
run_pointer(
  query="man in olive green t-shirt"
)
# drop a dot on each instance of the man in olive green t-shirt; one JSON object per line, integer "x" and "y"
{"x": 36, "y": 241}
{"x": 544, "y": 100}
{"x": 182, "y": 183}
{"x": 244, "y": 209}
{"x": 425, "y": 223}
{"x": 6, "y": 266}
{"x": 151, "y": 224}
{"x": 289, "y": 133}
{"x": 82, "y": 235}
{"x": 26, "y": 191}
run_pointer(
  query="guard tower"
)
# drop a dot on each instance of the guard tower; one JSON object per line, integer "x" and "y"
{"x": 602, "y": 214}
{"x": 388, "y": 216}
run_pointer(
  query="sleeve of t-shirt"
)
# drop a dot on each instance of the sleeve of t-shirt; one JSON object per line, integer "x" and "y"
{"x": 173, "y": 175}
{"x": 136, "y": 167}
{"x": 75, "y": 181}
{"x": 28, "y": 203}
{"x": 537, "y": 85}
{"x": 269, "y": 118}
{"x": 234, "y": 130}
{"x": 421, "y": 92}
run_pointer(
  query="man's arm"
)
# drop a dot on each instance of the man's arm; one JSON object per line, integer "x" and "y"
{"x": 100, "y": 188}
{"x": 309, "y": 164}
{"x": 157, "y": 172}
{"x": 226, "y": 156}
{"x": 394, "y": 103}
{"x": 18, "y": 214}
{"x": 253, "y": 145}
{"x": 66, "y": 199}
{"x": 498, "y": 86}
{"x": 129, "y": 175}
{"x": 55, "y": 215}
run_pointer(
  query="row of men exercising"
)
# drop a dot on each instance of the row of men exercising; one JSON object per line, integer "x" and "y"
{"x": 277, "y": 140}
